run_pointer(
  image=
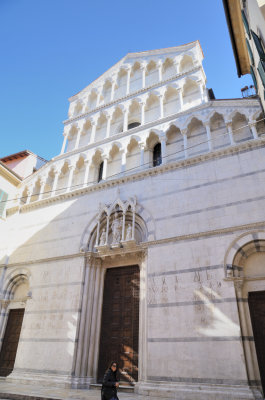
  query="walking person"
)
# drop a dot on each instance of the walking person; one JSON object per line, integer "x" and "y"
{"x": 110, "y": 383}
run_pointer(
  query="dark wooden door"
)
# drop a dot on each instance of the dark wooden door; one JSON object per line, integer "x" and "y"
{"x": 120, "y": 323}
{"x": 256, "y": 301}
{"x": 10, "y": 342}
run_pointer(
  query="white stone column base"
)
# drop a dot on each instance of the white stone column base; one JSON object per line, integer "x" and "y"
{"x": 189, "y": 391}
{"x": 81, "y": 382}
{"x": 42, "y": 379}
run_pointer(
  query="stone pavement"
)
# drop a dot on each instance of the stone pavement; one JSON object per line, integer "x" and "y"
{"x": 36, "y": 392}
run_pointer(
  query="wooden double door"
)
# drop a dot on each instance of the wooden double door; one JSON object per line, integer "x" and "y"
{"x": 120, "y": 323}
{"x": 256, "y": 301}
{"x": 10, "y": 341}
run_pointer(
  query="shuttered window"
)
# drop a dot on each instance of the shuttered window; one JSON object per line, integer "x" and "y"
{"x": 259, "y": 46}
{"x": 261, "y": 69}
{"x": 3, "y": 199}
{"x": 254, "y": 78}
{"x": 245, "y": 22}
{"x": 250, "y": 52}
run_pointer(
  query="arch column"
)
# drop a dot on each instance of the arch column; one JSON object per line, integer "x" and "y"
{"x": 93, "y": 131}
{"x": 163, "y": 149}
{"x": 185, "y": 142}
{"x": 160, "y": 66}
{"x": 252, "y": 125}
{"x": 64, "y": 143}
{"x": 105, "y": 165}
{"x": 123, "y": 160}
{"x": 88, "y": 165}
{"x": 209, "y": 135}
{"x": 98, "y": 97}
{"x": 42, "y": 186}
{"x": 180, "y": 98}
{"x": 143, "y": 69}
{"x": 108, "y": 116}
{"x": 128, "y": 80}
{"x": 29, "y": 194}
{"x": 142, "y": 104}
{"x": 161, "y": 104}
{"x": 79, "y": 129}
{"x": 55, "y": 181}
{"x": 125, "y": 119}
{"x": 142, "y": 149}
{"x": 113, "y": 84}
{"x": 70, "y": 177}
{"x": 230, "y": 132}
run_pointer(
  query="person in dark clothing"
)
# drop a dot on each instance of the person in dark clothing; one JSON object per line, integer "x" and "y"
{"x": 110, "y": 383}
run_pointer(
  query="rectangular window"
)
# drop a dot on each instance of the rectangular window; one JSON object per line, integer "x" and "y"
{"x": 254, "y": 78}
{"x": 245, "y": 22}
{"x": 259, "y": 46}
{"x": 3, "y": 199}
{"x": 250, "y": 52}
{"x": 261, "y": 69}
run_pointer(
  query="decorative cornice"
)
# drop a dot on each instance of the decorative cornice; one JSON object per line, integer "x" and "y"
{"x": 41, "y": 260}
{"x": 255, "y": 143}
{"x": 131, "y": 95}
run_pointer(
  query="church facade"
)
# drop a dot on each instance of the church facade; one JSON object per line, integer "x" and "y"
{"x": 143, "y": 241}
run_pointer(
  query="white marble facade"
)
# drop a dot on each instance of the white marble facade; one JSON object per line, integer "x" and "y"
{"x": 186, "y": 174}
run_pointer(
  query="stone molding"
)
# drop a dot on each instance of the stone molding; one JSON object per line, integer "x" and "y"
{"x": 250, "y": 144}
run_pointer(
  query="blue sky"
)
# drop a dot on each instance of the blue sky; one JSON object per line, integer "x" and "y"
{"x": 51, "y": 49}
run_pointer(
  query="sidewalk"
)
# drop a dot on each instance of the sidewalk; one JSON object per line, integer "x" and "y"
{"x": 35, "y": 392}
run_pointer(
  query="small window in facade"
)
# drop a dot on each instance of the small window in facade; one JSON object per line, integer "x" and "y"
{"x": 259, "y": 45}
{"x": 157, "y": 157}
{"x": 250, "y": 52}
{"x": 245, "y": 22}
{"x": 261, "y": 69}
{"x": 133, "y": 125}
{"x": 254, "y": 78}
{"x": 100, "y": 171}
{"x": 3, "y": 199}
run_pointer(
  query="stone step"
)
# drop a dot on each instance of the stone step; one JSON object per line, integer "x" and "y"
{"x": 122, "y": 388}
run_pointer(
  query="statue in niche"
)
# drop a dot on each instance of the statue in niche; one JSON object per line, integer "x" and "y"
{"x": 116, "y": 229}
{"x": 103, "y": 237}
{"x": 129, "y": 232}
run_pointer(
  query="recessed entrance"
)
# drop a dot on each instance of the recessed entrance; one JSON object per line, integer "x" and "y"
{"x": 10, "y": 342}
{"x": 256, "y": 301}
{"x": 120, "y": 322}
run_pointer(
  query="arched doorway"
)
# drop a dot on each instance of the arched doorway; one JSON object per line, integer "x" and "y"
{"x": 11, "y": 319}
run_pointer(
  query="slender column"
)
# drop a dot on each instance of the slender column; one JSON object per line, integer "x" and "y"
{"x": 142, "y": 148}
{"x": 98, "y": 97}
{"x": 100, "y": 301}
{"x": 113, "y": 84}
{"x": 143, "y": 68}
{"x": 142, "y": 113}
{"x": 160, "y": 66}
{"x": 107, "y": 230}
{"x": 64, "y": 143}
{"x": 93, "y": 131}
{"x": 163, "y": 150}
{"x": 201, "y": 91}
{"x": 230, "y": 133}
{"x": 70, "y": 177}
{"x": 94, "y": 319}
{"x": 253, "y": 128}
{"x": 87, "y": 164}
{"x": 82, "y": 320}
{"x": 108, "y": 116}
{"x": 185, "y": 143}
{"x": 55, "y": 182}
{"x": 78, "y": 137}
{"x": 29, "y": 194}
{"x": 244, "y": 328}
{"x": 176, "y": 63}
{"x": 98, "y": 227}
{"x": 123, "y": 225}
{"x": 123, "y": 160}
{"x": 180, "y": 99}
{"x": 133, "y": 224}
{"x": 161, "y": 102}
{"x": 42, "y": 186}
{"x": 125, "y": 119}
{"x": 209, "y": 135}
{"x": 128, "y": 81}
{"x": 104, "y": 172}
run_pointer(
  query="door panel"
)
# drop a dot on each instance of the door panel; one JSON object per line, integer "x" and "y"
{"x": 256, "y": 301}
{"x": 10, "y": 342}
{"x": 120, "y": 322}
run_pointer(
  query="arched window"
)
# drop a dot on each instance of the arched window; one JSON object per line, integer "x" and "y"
{"x": 157, "y": 158}
{"x": 100, "y": 171}
{"x": 133, "y": 125}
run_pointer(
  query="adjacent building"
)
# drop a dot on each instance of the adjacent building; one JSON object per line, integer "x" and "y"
{"x": 143, "y": 241}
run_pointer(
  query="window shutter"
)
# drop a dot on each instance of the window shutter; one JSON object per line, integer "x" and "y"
{"x": 259, "y": 46}
{"x": 245, "y": 22}
{"x": 254, "y": 78}
{"x": 250, "y": 52}
{"x": 3, "y": 199}
{"x": 261, "y": 69}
